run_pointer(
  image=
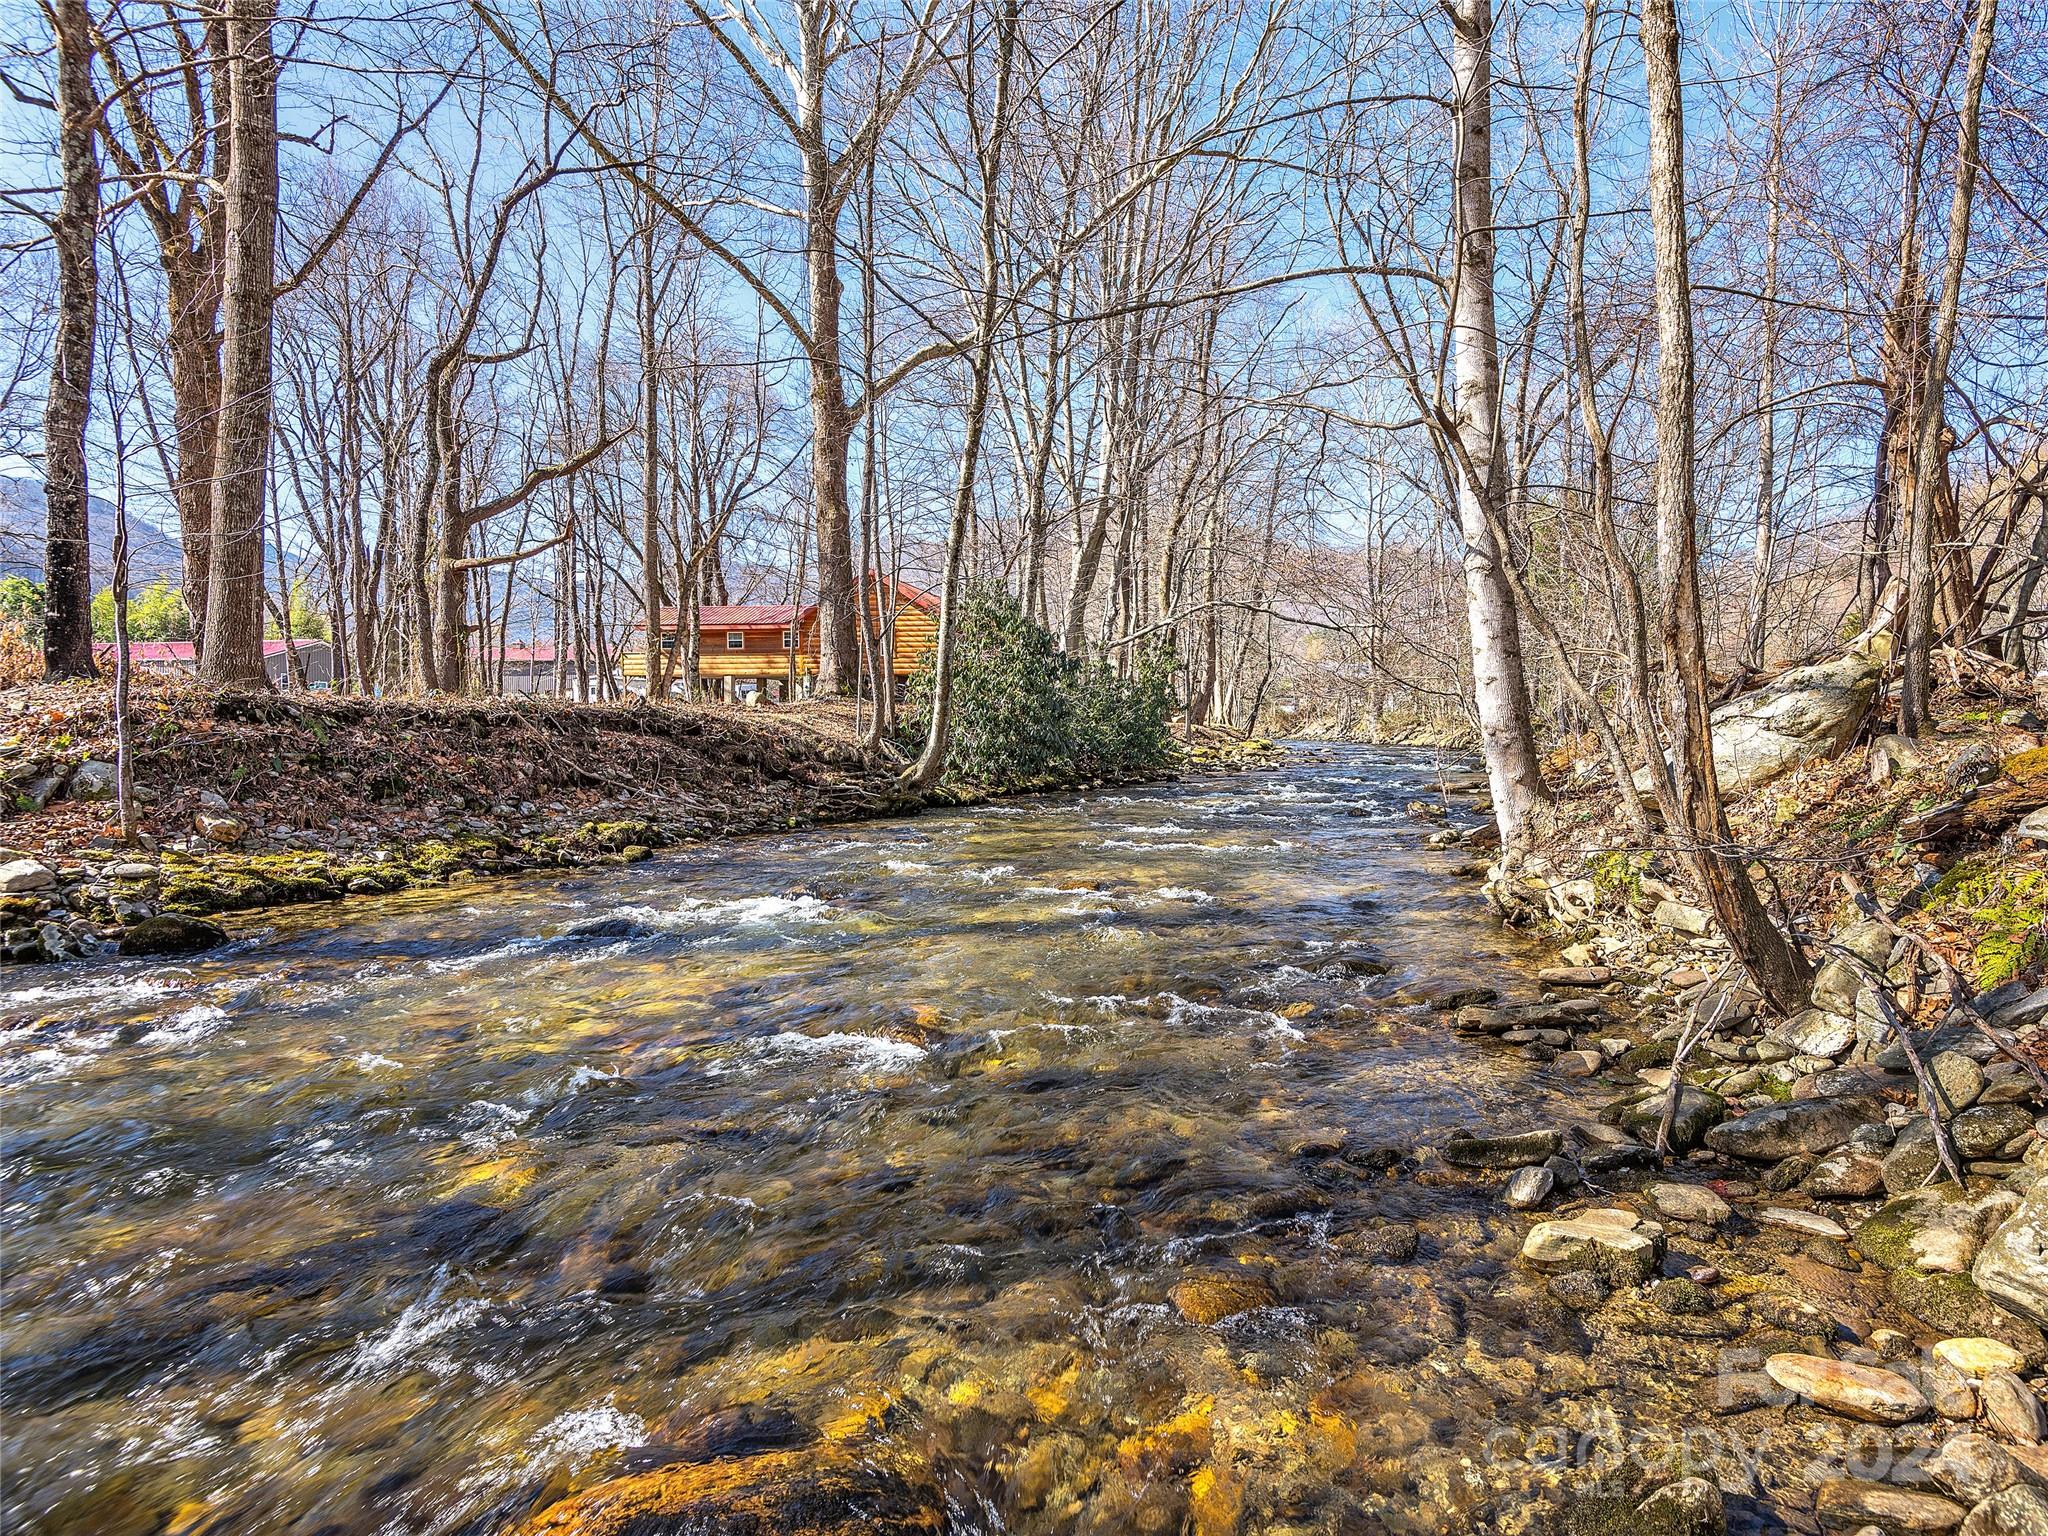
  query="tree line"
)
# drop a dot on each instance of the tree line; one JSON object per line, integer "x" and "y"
{"x": 1550, "y": 365}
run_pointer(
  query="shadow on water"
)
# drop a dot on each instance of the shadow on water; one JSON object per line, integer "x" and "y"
{"x": 1031, "y": 1142}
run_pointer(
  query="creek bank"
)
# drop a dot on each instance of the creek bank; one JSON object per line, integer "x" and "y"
{"x": 1823, "y": 1212}
{"x": 251, "y": 801}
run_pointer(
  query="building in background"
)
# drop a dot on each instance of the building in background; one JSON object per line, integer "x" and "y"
{"x": 746, "y": 647}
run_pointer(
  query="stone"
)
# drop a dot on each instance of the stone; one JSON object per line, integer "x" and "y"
{"x": 1208, "y": 1299}
{"x": 1938, "y": 1230}
{"x": 1580, "y": 1063}
{"x": 1579, "y": 1289}
{"x": 1697, "y": 1114}
{"x": 2012, "y": 1408}
{"x": 1492, "y": 1152}
{"x": 1979, "y": 1357}
{"x": 1689, "y": 1507}
{"x": 216, "y": 828}
{"x": 131, "y": 870}
{"x": 1575, "y": 975}
{"x": 1529, "y": 1188}
{"x": 1959, "y": 1079}
{"x": 1689, "y": 1202}
{"x": 1681, "y": 918}
{"x": 2017, "y": 1511}
{"x": 1845, "y": 1175}
{"x": 1810, "y": 1125}
{"x": 1789, "y": 1174}
{"x": 2012, "y": 1267}
{"x": 93, "y": 780}
{"x": 1812, "y": 1223}
{"x": 1803, "y": 713}
{"x": 1892, "y": 755}
{"x": 1953, "y": 1394}
{"x": 171, "y": 933}
{"x": 2024, "y": 1009}
{"x": 1972, "y": 1467}
{"x": 20, "y": 876}
{"x": 1817, "y": 1032}
{"x": 1982, "y": 1131}
{"x": 1619, "y": 1245}
{"x": 1866, "y": 1392}
{"x": 1852, "y": 1503}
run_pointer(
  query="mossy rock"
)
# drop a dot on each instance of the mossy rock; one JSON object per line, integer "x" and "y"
{"x": 1651, "y": 1053}
{"x": 2004, "y": 904}
{"x": 1952, "y": 1306}
{"x": 618, "y": 836}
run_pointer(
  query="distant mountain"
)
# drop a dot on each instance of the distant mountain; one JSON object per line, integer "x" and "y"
{"x": 152, "y": 552}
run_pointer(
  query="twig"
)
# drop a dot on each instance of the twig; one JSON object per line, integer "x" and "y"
{"x": 1694, "y": 1030}
{"x": 1931, "y": 1093}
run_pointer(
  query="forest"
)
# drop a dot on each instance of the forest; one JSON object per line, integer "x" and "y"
{"x": 1363, "y": 362}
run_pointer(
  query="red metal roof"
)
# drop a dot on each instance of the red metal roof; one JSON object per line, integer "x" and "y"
{"x": 181, "y": 650}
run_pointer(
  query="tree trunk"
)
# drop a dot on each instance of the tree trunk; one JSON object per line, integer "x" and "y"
{"x": 67, "y": 550}
{"x": 233, "y": 650}
{"x": 1758, "y": 628}
{"x": 1499, "y": 684}
{"x": 1929, "y": 463}
{"x": 1780, "y": 970}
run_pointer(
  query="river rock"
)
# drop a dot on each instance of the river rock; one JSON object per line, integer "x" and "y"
{"x": 1812, "y": 1223}
{"x": 1697, "y": 1114}
{"x": 1809, "y": 1125}
{"x": 1865, "y": 1392}
{"x": 1495, "y": 1152}
{"x": 93, "y": 780}
{"x": 171, "y": 933}
{"x": 1960, "y": 1080}
{"x": 1682, "y": 918}
{"x": 1852, "y": 1503}
{"x": 1846, "y": 1175}
{"x": 1972, "y": 1467}
{"x": 1979, "y": 1357}
{"x": 1622, "y": 1247}
{"x": 1817, "y": 1033}
{"x": 2012, "y": 1408}
{"x": 218, "y": 828}
{"x": 2017, "y": 1511}
{"x": 1580, "y": 1063}
{"x": 1529, "y": 1188}
{"x": 1938, "y": 1230}
{"x": 1689, "y": 1202}
{"x": 19, "y": 876}
{"x": 2012, "y": 1267}
{"x": 1982, "y": 1131}
{"x": 1207, "y": 1299}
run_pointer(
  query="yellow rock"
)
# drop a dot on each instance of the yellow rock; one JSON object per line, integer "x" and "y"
{"x": 809, "y": 1492}
{"x": 1215, "y": 1502}
{"x": 1049, "y": 1399}
{"x": 1979, "y": 1357}
{"x": 1207, "y": 1299}
{"x": 858, "y": 1417}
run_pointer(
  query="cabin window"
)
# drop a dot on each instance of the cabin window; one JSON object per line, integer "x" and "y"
{"x": 735, "y": 639}
{"x": 787, "y": 639}
{"x": 668, "y": 642}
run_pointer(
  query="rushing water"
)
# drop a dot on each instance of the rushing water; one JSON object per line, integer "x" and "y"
{"x": 407, "y": 1215}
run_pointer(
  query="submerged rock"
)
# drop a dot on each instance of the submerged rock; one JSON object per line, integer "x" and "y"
{"x": 1865, "y": 1392}
{"x": 171, "y": 933}
{"x": 2020, "y": 1510}
{"x": 1493, "y": 1152}
{"x": 1852, "y": 1503}
{"x": 1207, "y": 1299}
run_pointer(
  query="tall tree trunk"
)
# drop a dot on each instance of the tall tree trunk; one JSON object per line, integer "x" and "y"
{"x": 656, "y": 660}
{"x": 1757, "y": 629}
{"x": 932, "y": 761}
{"x": 1780, "y": 970}
{"x": 234, "y": 604}
{"x": 67, "y": 550}
{"x": 1499, "y": 683}
{"x": 1928, "y": 459}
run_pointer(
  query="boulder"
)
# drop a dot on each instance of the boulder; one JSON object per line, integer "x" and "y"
{"x": 1938, "y": 1230}
{"x": 1959, "y": 1079}
{"x": 217, "y": 828}
{"x": 1850, "y": 1174}
{"x": 1951, "y": 1305}
{"x": 1803, "y": 713}
{"x": 1817, "y": 1033}
{"x": 171, "y": 933}
{"x": 93, "y": 780}
{"x": 1973, "y": 1467}
{"x": 1979, "y": 1357}
{"x": 1806, "y": 1125}
{"x": 1697, "y": 1114}
{"x": 2012, "y": 1267}
{"x": 1980, "y": 1132}
{"x": 20, "y": 876}
{"x": 1681, "y": 918}
{"x": 1619, "y": 1245}
{"x": 1866, "y": 1392}
{"x": 1209, "y": 1299}
{"x": 2017, "y": 1511}
{"x": 1893, "y": 756}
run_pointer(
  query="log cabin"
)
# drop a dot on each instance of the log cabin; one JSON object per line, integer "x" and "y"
{"x": 750, "y": 643}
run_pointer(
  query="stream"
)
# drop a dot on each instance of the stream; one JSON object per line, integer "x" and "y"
{"x": 1034, "y": 1146}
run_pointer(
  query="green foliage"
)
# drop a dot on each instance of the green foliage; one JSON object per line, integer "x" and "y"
{"x": 2005, "y": 906}
{"x": 308, "y": 622}
{"x": 1023, "y": 714}
{"x": 21, "y": 604}
{"x": 157, "y": 612}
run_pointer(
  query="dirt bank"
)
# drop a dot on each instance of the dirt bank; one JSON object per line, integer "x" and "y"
{"x": 256, "y": 800}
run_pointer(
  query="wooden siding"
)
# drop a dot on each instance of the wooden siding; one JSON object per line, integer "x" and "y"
{"x": 915, "y": 632}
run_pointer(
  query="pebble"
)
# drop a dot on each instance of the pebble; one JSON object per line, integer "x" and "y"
{"x": 2012, "y": 1408}
{"x": 1529, "y": 1188}
{"x": 1689, "y": 1202}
